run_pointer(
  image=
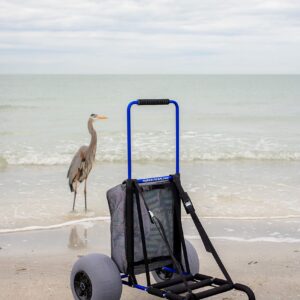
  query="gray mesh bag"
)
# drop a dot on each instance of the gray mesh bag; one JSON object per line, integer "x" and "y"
{"x": 126, "y": 237}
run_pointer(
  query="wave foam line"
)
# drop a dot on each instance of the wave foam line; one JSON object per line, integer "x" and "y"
{"x": 34, "y": 157}
{"x": 95, "y": 219}
{"x": 253, "y": 218}
{"x": 246, "y": 218}
{"x": 55, "y": 226}
{"x": 266, "y": 239}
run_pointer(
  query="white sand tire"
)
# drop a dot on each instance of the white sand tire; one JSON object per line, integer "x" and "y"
{"x": 95, "y": 277}
{"x": 194, "y": 264}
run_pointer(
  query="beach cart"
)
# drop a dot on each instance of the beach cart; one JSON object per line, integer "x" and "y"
{"x": 147, "y": 238}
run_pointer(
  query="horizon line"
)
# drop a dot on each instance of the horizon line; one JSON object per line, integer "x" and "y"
{"x": 152, "y": 74}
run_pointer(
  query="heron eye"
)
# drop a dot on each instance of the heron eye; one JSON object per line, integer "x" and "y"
{"x": 93, "y": 115}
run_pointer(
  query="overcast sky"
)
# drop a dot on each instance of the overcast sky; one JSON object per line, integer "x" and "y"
{"x": 156, "y": 36}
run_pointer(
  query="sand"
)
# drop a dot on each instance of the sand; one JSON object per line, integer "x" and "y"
{"x": 37, "y": 264}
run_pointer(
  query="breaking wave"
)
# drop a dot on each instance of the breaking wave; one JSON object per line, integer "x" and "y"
{"x": 159, "y": 147}
{"x": 62, "y": 159}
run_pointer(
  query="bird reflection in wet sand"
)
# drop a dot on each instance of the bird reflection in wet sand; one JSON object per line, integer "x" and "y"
{"x": 75, "y": 242}
{"x": 83, "y": 160}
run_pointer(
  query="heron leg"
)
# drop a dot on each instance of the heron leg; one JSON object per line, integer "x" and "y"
{"x": 85, "y": 196}
{"x": 75, "y": 193}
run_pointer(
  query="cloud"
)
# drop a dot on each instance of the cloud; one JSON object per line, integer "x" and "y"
{"x": 158, "y": 36}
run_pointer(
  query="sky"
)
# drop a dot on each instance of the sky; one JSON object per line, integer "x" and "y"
{"x": 150, "y": 37}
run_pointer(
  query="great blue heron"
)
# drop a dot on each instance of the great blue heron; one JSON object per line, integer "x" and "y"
{"x": 83, "y": 160}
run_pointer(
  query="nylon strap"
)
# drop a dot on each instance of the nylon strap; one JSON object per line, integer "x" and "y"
{"x": 143, "y": 237}
{"x": 129, "y": 228}
{"x": 205, "y": 239}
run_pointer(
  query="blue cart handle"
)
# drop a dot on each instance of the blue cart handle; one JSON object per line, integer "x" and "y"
{"x": 150, "y": 102}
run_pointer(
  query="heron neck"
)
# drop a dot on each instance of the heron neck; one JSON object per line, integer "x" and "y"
{"x": 93, "y": 133}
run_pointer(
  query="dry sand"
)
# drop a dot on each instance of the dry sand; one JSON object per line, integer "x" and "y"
{"x": 36, "y": 265}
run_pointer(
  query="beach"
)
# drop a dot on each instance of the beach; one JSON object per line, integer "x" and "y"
{"x": 239, "y": 162}
{"x": 37, "y": 264}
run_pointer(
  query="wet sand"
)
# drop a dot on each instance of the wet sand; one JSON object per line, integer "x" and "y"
{"x": 37, "y": 264}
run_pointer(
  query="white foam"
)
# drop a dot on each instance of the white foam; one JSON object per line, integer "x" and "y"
{"x": 266, "y": 239}
{"x": 260, "y": 239}
{"x": 200, "y": 148}
{"x": 253, "y": 218}
{"x": 229, "y": 229}
{"x": 86, "y": 221}
{"x": 109, "y": 156}
{"x": 247, "y": 218}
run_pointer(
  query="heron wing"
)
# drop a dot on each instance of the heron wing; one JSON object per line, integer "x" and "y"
{"x": 76, "y": 164}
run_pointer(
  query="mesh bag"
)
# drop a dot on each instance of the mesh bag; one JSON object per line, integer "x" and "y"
{"x": 161, "y": 200}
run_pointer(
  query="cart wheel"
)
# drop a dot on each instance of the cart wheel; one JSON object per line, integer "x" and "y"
{"x": 95, "y": 277}
{"x": 160, "y": 275}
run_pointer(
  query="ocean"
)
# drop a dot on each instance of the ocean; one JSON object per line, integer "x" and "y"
{"x": 240, "y": 143}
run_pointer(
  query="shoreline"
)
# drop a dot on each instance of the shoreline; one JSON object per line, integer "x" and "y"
{"x": 78, "y": 221}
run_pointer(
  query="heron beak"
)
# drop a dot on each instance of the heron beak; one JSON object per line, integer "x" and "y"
{"x": 101, "y": 117}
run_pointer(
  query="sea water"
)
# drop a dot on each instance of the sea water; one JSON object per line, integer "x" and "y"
{"x": 240, "y": 143}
